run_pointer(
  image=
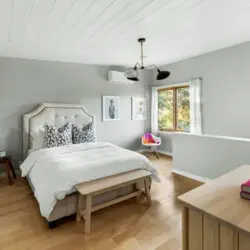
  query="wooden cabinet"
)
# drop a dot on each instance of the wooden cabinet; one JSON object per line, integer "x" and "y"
{"x": 194, "y": 230}
{"x": 244, "y": 242}
{"x": 228, "y": 238}
{"x": 210, "y": 233}
{"x": 203, "y": 232}
{"x": 215, "y": 217}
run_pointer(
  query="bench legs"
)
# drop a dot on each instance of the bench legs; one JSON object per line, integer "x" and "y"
{"x": 146, "y": 185}
{"x": 79, "y": 206}
{"x": 87, "y": 212}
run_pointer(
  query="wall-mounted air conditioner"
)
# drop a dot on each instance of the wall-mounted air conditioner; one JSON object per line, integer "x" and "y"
{"x": 118, "y": 77}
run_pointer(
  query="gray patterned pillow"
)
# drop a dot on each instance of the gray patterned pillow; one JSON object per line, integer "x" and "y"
{"x": 54, "y": 137}
{"x": 83, "y": 134}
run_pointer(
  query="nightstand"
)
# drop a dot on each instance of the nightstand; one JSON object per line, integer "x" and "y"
{"x": 6, "y": 161}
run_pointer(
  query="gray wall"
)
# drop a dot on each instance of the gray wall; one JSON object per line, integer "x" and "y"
{"x": 208, "y": 157}
{"x": 225, "y": 90}
{"x": 26, "y": 83}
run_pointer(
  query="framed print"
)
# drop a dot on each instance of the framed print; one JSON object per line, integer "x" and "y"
{"x": 111, "y": 108}
{"x": 138, "y": 108}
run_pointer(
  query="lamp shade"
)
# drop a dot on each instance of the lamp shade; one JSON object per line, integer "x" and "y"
{"x": 132, "y": 74}
{"x": 162, "y": 74}
{"x": 133, "y": 78}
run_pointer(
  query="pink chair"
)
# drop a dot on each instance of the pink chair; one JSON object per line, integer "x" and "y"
{"x": 152, "y": 142}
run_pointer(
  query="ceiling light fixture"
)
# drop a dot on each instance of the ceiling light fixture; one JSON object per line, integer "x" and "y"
{"x": 132, "y": 73}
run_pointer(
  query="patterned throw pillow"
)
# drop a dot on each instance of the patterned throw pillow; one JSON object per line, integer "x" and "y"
{"x": 54, "y": 137}
{"x": 83, "y": 134}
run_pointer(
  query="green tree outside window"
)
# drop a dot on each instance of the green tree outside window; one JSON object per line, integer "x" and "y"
{"x": 174, "y": 109}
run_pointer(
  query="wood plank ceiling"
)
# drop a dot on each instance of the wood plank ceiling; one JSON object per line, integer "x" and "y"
{"x": 106, "y": 31}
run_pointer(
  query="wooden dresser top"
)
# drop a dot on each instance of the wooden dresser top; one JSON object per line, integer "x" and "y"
{"x": 221, "y": 198}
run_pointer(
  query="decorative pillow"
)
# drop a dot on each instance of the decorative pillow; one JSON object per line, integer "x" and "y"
{"x": 54, "y": 137}
{"x": 82, "y": 134}
{"x": 37, "y": 139}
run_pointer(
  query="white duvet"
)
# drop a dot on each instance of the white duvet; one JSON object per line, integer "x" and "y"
{"x": 55, "y": 171}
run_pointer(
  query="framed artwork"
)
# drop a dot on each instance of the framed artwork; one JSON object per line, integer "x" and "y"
{"x": 139, "y": 108}
{"x": 111, "y": 108}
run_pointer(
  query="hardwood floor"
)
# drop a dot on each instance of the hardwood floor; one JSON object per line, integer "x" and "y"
{"x": 125, "y": 226}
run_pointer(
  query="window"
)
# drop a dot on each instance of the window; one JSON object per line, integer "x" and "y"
{"x": 174, "y": 109}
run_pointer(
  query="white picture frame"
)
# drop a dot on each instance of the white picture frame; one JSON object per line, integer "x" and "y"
{"x": 139, "y": 108}
{"x": 110, "y": 108}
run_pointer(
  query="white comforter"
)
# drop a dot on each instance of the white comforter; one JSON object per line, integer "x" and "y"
{"x": 55, "y": 171}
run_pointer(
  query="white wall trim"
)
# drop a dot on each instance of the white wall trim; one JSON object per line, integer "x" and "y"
{"x": 158, "y": 151}
{"x": 165, "y": 152}
{"x": 191, "y": 176}
{"x": 166, "y": 132}
{"x": 213, "y": 136}
{"x": 141, "y": 151}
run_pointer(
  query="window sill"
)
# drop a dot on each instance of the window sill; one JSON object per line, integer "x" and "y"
{"x": 172, "y": 132}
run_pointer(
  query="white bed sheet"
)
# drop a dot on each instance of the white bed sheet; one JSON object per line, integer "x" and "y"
{"x": 55, "y": 171}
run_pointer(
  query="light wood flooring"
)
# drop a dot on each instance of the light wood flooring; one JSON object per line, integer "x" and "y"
{"x": 126, "y": 226}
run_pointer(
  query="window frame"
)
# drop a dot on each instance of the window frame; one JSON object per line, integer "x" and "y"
{"x": 175, "y": 111}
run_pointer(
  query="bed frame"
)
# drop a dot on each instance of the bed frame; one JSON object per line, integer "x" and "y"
{"x": 58, "y": 115}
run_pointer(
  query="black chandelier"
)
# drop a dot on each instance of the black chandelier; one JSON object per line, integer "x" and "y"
{"x": 132, "y": 73}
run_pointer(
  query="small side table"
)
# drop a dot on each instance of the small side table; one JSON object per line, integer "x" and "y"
{"x": 6, "y": 161}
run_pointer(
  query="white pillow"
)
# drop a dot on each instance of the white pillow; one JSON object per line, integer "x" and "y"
{"x": 37, "y": 139}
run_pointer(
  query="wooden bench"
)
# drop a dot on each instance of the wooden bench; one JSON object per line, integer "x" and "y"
{"x": 89, "y": 189}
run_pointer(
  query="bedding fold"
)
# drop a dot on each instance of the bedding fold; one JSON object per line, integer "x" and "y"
{"x": 55, "y": 171}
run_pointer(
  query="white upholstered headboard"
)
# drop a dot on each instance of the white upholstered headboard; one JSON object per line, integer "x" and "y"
{"x": 54, "y": 114}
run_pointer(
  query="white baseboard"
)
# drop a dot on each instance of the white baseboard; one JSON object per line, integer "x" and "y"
{"x": 165, "y": 152}
{"x": 190, "y": 176}
{"x": 158, "y": 151}
{"x": 140, "y": 151}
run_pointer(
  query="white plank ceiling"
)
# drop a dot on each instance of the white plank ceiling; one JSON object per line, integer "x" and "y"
{"x": 106, "y": 31}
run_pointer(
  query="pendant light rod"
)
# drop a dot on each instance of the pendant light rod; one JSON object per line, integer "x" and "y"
{"x": 142, "y": 41}
{"x": 142, "y": 66}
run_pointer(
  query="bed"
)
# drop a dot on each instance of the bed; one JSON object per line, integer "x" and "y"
{"x": 58, "y": 115}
